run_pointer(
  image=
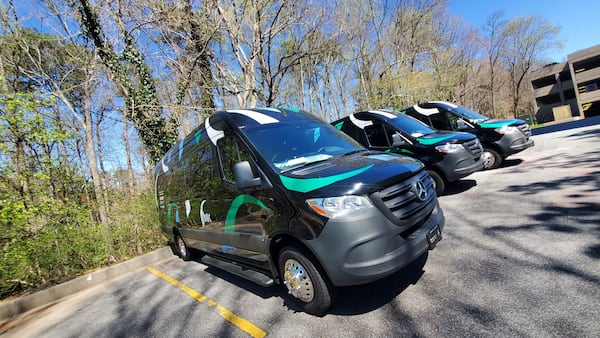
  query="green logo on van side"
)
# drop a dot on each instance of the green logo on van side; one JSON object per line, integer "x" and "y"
{"x": 310, "y": 184}
{"x": 235, "y": 206}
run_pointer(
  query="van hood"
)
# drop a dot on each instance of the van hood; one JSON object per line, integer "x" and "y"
{"x": 495, "y": 123}
{"x": 443, "y": 137}
{"x": 352, "y": 174}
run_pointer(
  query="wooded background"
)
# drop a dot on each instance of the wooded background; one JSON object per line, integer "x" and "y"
{"x": 93, "y": 93}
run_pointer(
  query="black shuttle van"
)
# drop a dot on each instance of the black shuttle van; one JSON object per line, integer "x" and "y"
{"x": 448, "y": 156}
{"x": 280, "y": 196}
{"x": 500, "y": 138}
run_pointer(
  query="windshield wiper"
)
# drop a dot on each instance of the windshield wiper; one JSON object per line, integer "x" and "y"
{"x": 304, "y": 164}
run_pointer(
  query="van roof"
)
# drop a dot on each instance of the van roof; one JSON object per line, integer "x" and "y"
{"x": 240, "y": 117}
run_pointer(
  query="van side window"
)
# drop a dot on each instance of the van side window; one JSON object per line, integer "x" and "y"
{"x": 440, "y": 121}
{"x": 453, "y": 120}
{"x": 413, "y": 113}
{"x": 199, "y": 168}
{"x": 231, "y": 152}
{"x": 377, "y": 136}
{"x": 355, "y": 132}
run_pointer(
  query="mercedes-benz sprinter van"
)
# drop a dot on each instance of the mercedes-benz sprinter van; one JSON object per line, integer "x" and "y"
{"x": 500, "y": 138}
{"x": 280, "y": 196}
{"x": 448, "y": 156}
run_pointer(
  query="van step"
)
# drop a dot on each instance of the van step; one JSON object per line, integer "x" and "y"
{"x": 252, "y": 275}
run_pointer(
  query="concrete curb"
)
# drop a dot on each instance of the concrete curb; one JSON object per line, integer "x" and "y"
{"x": 14, "y": 307}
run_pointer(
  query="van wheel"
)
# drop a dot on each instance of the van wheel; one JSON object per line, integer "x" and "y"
{"x": 491, "y": 159}
{"x": 303, "y": 280}
{"x": 438, "y": 182}
{"x": 182, "y": 249}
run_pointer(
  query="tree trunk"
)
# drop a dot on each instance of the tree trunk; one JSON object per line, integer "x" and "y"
{"x": 102, "y": 172}
{"x": 130, "y": 178}
{"x": 90, "y": 152}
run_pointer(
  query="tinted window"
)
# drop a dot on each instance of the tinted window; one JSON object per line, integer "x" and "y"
{"x": 377, "y": 136}
{"x": 287, "y": 145}
{"x": 412, "y": 113}
{"x": 411, "y": 126}
{"x": 469, "y": 114}
{"x": 440, "y": 121}
{"x": 231, "y": 152}
{"x": 354, "y": 132}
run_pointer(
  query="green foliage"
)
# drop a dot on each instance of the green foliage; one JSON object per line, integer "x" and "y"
{"x": 45, "y": 244}
{"x": 57, "y": 241}
{"x": 134, "y": 227}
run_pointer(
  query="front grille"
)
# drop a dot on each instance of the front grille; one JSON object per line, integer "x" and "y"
{"x": 401, "y": 203}
{"x": 525, "y": 130}
{"x": 474, "y": 147}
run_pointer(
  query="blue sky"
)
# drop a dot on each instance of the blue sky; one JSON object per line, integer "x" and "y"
{"x": 578, "y": 20}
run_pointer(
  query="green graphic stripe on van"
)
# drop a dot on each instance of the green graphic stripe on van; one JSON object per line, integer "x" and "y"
{"x": 235, "y": 206}
{"x": 310, "y": 184}
{"x": 433, "y": 140}
{"x": 497, "y": 125}
{"x": 339, "y": 125}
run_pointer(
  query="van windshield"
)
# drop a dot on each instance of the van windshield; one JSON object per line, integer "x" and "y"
{"x": 288, "y": 146}
{"x": 469, "y": 114}
{"x": 412, "y": 127}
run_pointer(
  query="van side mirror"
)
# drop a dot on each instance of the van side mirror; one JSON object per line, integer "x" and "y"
{"x": 460, "y": 124}
{"x": 397, "y": 141}
{"x": 244, "y": 178}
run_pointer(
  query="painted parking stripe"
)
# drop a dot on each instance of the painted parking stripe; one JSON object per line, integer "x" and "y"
{"x": 231, "y": 317}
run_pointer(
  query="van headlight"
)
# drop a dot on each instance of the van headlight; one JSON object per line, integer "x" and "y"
{"x": 506, "y": 130}
{"x": 450, "y": 148}
{"x": 332, "y": 207}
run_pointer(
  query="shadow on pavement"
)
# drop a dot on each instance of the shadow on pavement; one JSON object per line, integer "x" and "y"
{"x": 352, "y": 300}
{"x": 458, "y": 187}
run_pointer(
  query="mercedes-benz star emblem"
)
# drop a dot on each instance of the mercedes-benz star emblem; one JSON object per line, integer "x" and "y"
{"x": 420, "y": 191}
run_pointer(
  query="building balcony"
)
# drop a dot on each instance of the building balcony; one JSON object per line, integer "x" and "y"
{"x": 588, "y": 75}
{"x": 589, "y": 97}
{"x": 553, "y": 89}
{"x": 547, "y": 90}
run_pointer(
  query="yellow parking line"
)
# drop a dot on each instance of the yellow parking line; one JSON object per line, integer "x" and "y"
{"x": 231, "y": 317}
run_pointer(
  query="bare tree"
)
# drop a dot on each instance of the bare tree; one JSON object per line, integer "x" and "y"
{"x": 527, "y": 39}
{"x": 182, "y": 32}
{"x": 131, "y": 186}
{"x": 263, "y": 41}
{"x": 494, "y": 45}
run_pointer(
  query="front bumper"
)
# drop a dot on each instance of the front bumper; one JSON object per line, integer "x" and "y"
{"x": 370, "y": 247}
{"x": 514, "y": 143}
{"x": 455, "y": 166}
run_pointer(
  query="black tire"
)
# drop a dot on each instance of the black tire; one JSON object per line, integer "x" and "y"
{"x": 182, "y": 249}
{"x": 438, "y": 182}
{"x": 303, "y": 280}
{"x": 491, "y": 159}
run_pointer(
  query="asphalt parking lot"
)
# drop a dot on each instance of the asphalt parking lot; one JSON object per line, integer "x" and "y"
{"x": 520, "y": 257}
